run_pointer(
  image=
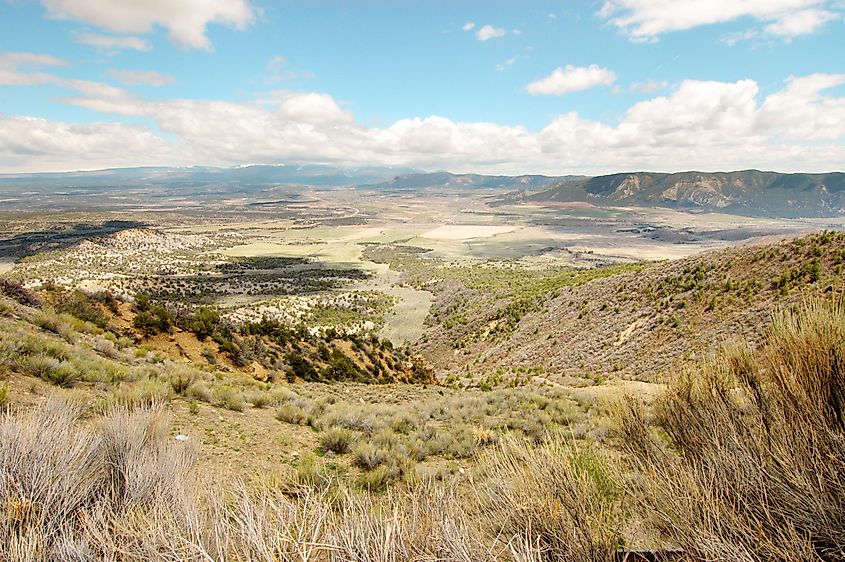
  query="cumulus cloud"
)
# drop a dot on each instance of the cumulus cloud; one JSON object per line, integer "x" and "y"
{"x": 488, "y": 32}
{"x": 185, "y": 20}
{"x": 800, "y": 111}
{"x": 311, "y": 108}
{"x": 468, "y": 26}
{"x": 564, "y": 80}
{"x": 112, "y": 44}
{"x": 645, "y": 20}
{"x": 697, "y": 125}
{"x": 31, "y": 143}
{"x": 141, "y": 77}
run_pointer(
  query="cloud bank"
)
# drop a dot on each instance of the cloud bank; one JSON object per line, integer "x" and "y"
{"x": 699, "y": 124}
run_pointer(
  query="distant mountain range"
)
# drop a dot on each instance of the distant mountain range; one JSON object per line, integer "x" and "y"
{"x": 127, "y": 188}
{"x": 464, "y": 181}
{"x": 194, "y": 176}
{"x": 747, "y": 192}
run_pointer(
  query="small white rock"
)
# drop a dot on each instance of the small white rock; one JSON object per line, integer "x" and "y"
{"x": 181, "y": 437}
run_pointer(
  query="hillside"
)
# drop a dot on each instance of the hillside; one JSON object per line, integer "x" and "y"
{"x": 636, "y": 321}
{"x": 75, "y": 336}
{"x": 748, "y": 192}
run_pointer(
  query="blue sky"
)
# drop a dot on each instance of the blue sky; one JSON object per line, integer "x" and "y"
{"x": 510, "y": 87}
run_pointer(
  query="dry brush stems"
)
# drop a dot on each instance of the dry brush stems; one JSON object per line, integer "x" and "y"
{"x": 756, "y": 469}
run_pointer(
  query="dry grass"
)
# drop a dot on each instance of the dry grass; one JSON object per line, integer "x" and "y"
{"x": 754, "y": 468}
{"x": 120, "y": 487}
{"x": 742, "y": 459}
{"x": 559, "y": 502}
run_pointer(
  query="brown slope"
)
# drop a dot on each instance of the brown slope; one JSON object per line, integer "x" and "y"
{"x": 646, "y": 324}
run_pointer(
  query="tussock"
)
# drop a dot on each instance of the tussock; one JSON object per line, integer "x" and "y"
{"x": 754, "y": 465}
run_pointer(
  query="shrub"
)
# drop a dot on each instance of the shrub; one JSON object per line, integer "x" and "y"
{"x": 80, "y": 305}
{"x": 145, "y": 393}
{"x": 152, "y": 320}
{"x": 341, "y": 368}
{"x": 59, "y": 479}
{"x": 106, "y": 347}
{"x": 60, "y": 373}
{"x": 200, "y": 391}
{"x": 378, "y": 479}
{"x": 301, "y": 368}
{"x": 229, "y": 398}
{"x": 16, "y": 291}
{"x": 281, "y": 394}
{"x": 291, "y": 413}
{"x": 310, "y": 474}
{"x": 760, "y": 440}
{"x": 559, "y": 502}
{"x": 337, "y": 440}
{"x": 181, "y": 380}
{"x": 258, "y": 398}
{"x": 121, "y": 488}
{"x": 367, "y": 456}
{"x": 203, "y": 322}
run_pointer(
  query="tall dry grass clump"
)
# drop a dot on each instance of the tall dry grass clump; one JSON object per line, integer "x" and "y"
{"x": 65, "y": 486}
{"x": 560, "y": 502}
{"x": 754, "y": 468}
{"x": 121, "y": 488}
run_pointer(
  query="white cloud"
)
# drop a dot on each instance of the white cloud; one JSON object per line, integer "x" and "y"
{"x": 15, "y": 59}
{"x": 648, "y": 87}
{"x": 697, "y": 113}
{"x": 507, "y": 64}
{"x": 468, "y": 25}
{"x": 185, "y": 20}
{"x": 698, "y": 125}
{"x": 278, "y": 70}
{"x": 570, "y": 78}
{"x": 15, "y": 68}
{"x": 112, "y": 44}
{"x": 489, "y": 32}
{"x": 645, "y": 20}
{"x": 33, "y": 143}
{"x": 735, "y": 38}
{"x": 800, "y": 111}
{"x": 311, "y": 108}
{"x": 802, "y": 22}
{"x": 141, "y": 77}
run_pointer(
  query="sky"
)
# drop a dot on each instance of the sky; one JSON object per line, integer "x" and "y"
{"x": 485, "y": 86}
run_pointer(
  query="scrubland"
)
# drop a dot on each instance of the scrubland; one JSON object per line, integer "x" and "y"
{"x": 740, "y": 459}
{"x": 183, "y": 436}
